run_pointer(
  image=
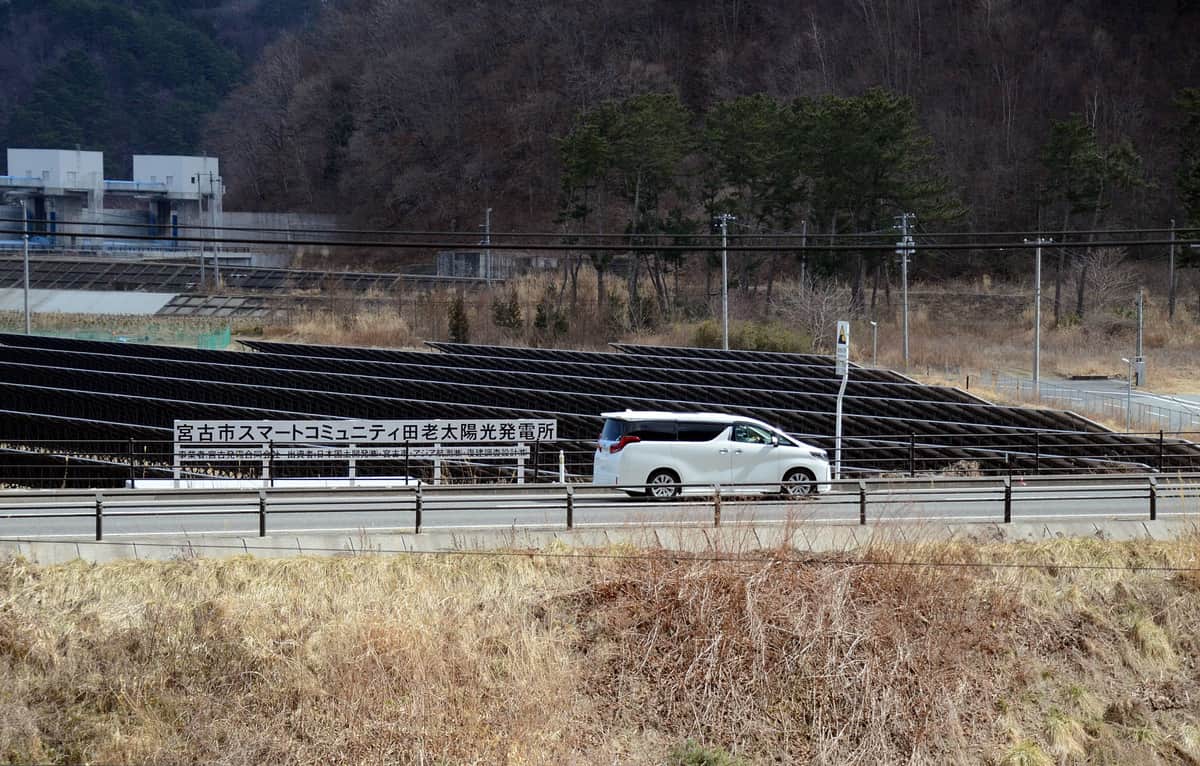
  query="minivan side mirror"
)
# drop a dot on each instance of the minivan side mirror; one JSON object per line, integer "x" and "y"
{"x": 774, "y": 440}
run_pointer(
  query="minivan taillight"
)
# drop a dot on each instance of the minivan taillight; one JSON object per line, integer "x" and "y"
{"x": 620, "y": 443}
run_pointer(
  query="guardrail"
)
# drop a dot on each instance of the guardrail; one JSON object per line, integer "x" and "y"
{"x": 420, "y": 507}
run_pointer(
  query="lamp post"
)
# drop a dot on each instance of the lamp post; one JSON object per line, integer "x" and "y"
{"x": 1037, "y": 318}
{"x": 724, "y": 219}
{"x": 874, "y": 343}
{"x": 25, "y": 237}
{"x": 1128, "y": 394}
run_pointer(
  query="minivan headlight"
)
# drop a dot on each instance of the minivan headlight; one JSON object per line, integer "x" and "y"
{"x": 819, "y": 453}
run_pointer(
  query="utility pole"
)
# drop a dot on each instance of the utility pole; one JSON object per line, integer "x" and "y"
{"x": 1037, "y": 317}
{"x": 1139, "y": 358}
{"x": 25, "y": 236}
{"x": 724, "y": 219}
{"x": 1171, "y": 276}
{"x": 212, "y": 214}
{"x": 487, "y": 244}
{"x": 200, "y": 217}
{"x": 874, "y": 343}
{"x": 1128, "y": 394}
{"x": 905, "y": 249}
{"x": 803, "y": 253}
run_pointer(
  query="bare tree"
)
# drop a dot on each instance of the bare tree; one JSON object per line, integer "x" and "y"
{"x": 815, "y": 306}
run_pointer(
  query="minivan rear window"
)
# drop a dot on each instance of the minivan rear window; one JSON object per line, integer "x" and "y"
{"x": 699, "y": 432}
{"x": 613, "y": 430}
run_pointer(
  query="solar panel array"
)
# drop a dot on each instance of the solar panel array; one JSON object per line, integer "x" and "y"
{"x": 174, "y": 276}
{"x": 81, "y": 392}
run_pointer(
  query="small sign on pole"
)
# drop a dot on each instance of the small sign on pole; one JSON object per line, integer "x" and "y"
{"x": 842, "y": 352}
{"x": 842, "y": 360}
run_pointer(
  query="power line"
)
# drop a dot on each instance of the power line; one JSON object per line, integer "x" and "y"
{"x": 845, "y": 236}
{"x": 662, "y": 555}
{"x": 627, "y": 248}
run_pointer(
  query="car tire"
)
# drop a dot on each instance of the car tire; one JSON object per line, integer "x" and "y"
{"x": 798, "y": 483}
{"x": 662, "y": 485}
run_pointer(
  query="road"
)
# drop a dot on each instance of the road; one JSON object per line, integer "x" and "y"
{"x": 47, "y": 515}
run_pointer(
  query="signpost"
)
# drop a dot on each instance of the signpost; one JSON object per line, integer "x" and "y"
{"x": 208, "y": 441}
{"x": 842, "y": 360}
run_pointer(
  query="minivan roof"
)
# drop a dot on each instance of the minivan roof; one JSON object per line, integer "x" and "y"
{"x": 686, "y": 417}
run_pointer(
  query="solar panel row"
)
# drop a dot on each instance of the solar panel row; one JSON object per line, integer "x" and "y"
{"x": 58, "y": 273}
{"x": 132, "y": 391}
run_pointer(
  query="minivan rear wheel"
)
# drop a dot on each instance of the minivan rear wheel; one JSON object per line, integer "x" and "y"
{"x": 663, "y": 484}
{"x": 799, "y": 482}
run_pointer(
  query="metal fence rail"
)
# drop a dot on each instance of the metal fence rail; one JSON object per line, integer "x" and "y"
{"x": 1143, "y": 416}
{"x": 113, "y": 464}
{"x": 266, "y": 511}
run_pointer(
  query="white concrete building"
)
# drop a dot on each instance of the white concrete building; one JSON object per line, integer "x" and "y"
{"x": 57, "y": 184}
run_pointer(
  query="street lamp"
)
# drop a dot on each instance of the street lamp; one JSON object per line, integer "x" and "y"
{"x": 1037, "y": 317}
{"x": 875, "y": 343}
{"x": 25, "y": 236}
{"x": 725, "y": 218}
{"x": 1128, "y": 393}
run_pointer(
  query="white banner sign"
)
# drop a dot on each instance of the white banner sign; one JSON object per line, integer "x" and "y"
{"x": 221, "y": 453}
{"x": 359, "y": 432}
{"x": 842, "y": 356}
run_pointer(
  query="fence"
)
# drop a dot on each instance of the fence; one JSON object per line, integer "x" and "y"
{"x": 112, "y": 464}
{"x": 267, "y": 511}
{"x": 151, "y": 333}
{"x": 1143, "y": 416}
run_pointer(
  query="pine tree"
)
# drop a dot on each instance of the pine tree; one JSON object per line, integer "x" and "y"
{"x": 460, "y": 327}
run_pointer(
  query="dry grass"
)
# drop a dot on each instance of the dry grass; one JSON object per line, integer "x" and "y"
{"x": 661, "y": 660}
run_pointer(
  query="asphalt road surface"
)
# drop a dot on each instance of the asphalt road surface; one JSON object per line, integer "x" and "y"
{"x": 46, "y": 515}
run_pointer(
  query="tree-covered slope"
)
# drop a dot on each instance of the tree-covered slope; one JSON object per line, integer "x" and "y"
{"x": 125, "y": 77}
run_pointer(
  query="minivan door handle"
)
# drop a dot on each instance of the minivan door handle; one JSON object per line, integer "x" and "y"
{"x": 722, "y": 452}
{"x": 737, "y": 452}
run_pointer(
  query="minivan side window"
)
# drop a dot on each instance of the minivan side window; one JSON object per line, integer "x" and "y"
{"x": 744, "y": 432}
{"x": 700, "y": 432}
{"x": 651, "y": 430}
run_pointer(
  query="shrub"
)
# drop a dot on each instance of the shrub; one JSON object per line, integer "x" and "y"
{"x": 506, "y": 312}
{"x": 692, "y": 753}
{"x": 460, "y": 327}
{"x": 752, "y": 336}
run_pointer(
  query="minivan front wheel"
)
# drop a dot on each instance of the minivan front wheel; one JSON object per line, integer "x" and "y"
{"x": 663, "y": 484}
{"x": 799, "y": 482}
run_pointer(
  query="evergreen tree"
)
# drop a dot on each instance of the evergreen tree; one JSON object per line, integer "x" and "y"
{"x": 460, "y": 326}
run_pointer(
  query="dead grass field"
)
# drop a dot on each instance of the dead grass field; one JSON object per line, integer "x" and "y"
{"x": 659, "y": 659}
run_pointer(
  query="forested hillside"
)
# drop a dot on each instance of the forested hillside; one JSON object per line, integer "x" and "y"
{"x": 414, "y": 113}
{"x": 127, "y": 76}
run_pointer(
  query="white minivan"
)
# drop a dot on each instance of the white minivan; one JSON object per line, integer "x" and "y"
{"x": 669, "y": 453}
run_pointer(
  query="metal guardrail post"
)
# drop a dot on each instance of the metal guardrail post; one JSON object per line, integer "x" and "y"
{"x": 262, "y": 513}
{"x": 418, "y": 502}
{"x": 131, "y": 463}
{"x": 1161, "y": 450}
{"x": 536, "y": 454}
{"x": 99, "y": 516}
{"x": 912, "y": 455}
{"x": 570, "y": 507}
{"x": 1153, "y": 499}
{"x": 1037, "y": 453}
{"x": 406, "y": 473}
{"x": 862, "y": 503}
{"x": 271, "y": 463}
{"x": 716, "y": 505}
{"x": 1007, "y": 500}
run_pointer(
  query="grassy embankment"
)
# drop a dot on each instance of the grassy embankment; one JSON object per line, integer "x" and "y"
{"x": 526, "y": 659}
